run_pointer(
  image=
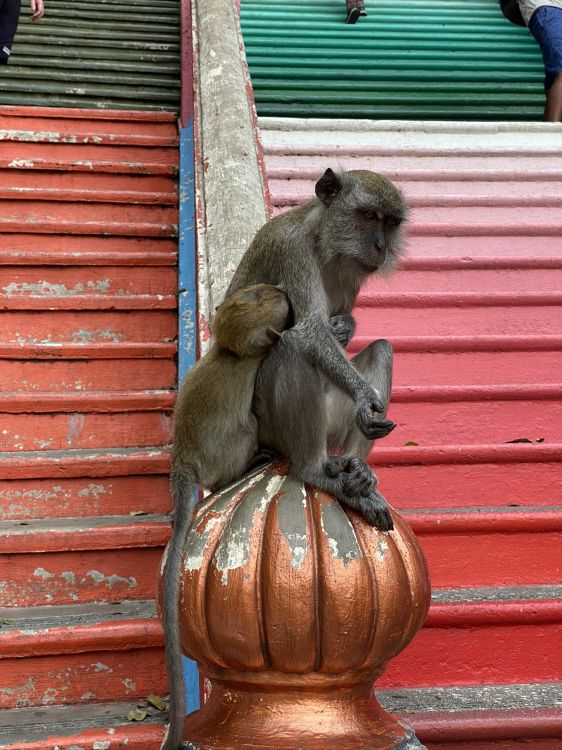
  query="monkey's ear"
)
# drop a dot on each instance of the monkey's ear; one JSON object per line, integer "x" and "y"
{"x": 328, "y": 186}
{"x": 266, "y": 337}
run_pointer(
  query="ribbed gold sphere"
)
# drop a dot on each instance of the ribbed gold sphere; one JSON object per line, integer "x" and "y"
{"x": 293, "y": 599}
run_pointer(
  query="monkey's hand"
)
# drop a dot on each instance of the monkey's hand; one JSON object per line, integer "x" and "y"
{"x": 366, "y": 415}
{"x": 343, "y": 328}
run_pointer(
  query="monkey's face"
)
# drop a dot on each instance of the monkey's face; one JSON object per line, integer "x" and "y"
{"x": 364, "y": 218}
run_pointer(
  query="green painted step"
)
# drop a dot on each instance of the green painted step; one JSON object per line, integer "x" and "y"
{"x": 109, "y": 54}
{"x": 408, "y": 59}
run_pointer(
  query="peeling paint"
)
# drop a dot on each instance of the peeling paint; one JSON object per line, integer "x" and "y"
{"x": 48, "y": 289}
{"x": 381, "y": 549}
{"x": 68, "y": 576}
{"x": 130, "y": 685}
{"x": 110, "y": 581}
{"x": 234, "y": 548}
{"x": 75, "y": 427}
{"x": 95, "y": 490}
{"x": 292, "y": 524}
{"x": 101, "y": 744}
{"x": 42, "y": 573}
{"x": 340, "y": 534}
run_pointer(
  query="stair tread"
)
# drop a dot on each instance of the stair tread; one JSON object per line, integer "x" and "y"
{"x": 14, "y": 619}
{"x": 496, "y": 594}
{"x": 42, "y": 723}
{"x": 472, "y": 698}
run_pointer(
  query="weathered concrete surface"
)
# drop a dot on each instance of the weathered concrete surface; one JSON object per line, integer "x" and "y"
{"x": 231, "y": 193}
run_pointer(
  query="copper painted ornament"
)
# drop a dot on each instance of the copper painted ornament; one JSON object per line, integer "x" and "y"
{"x": 292, "y": 606}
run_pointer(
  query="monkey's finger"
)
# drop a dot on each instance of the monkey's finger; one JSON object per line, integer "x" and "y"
{"x": 381, "y": 428}
{"x": 374, "y": 509}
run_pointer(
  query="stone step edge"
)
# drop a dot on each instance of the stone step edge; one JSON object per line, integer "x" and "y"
{"x": 46, "y": 402}
{"x": 119, "y": 462}
{"x": 78, "y": 113}
{"x": 88, "y": 727}
{"x": 84, "y": 533}
{"x": 102, "y": 350}
{"x": 89, "y": 302}
{"x": 44, "y": 633}
{"x": 93, "y": 138}
{"x": 18, "y": 402}
{"x": 87, "y": 195}
{"x": 153, "y": 530}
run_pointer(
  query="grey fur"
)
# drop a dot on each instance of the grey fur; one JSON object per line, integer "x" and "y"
{"x": 320, "y": 254}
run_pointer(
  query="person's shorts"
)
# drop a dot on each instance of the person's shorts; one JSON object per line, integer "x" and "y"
{"x": 9, "y": 16}
{"x": 546, "y": 26}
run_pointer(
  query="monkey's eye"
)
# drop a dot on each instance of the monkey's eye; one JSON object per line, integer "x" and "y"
{"x": 372, "y": 215}
{"x": 393, "y": 221}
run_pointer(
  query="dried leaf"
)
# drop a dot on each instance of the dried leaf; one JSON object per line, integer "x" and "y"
{"x": 136, "y": 714}
{"x": 411, "y": 442}
{"x": 156, "y": 701}
{"x": 525, "y": 440}
{"x": 138, "y": 513}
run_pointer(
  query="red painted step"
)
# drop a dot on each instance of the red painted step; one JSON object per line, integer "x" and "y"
{"x": 74, "y": 250}
{"x": 65, "y": 561}
{"x": 55, "y": 497}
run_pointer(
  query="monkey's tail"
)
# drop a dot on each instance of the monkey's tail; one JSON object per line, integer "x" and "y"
{"x": 183, "y": 493}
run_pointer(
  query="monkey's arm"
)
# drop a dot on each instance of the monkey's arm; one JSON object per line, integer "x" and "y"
{"x": 314, "y": 339}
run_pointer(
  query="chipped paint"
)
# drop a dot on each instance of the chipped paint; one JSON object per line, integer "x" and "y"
{"x": 75, "y": 428}
{"x": 48, "y": 289}
{"x": 110, "y": 581}
{"x": 22, "y": 164}
{"x": 381, "y": 549}
{"x": 234, "y": 548}
{"x": 42, "y": 573}
{"x": 198, "y": 536}
{"x": 292, "y": 524}
{"x": 339, "y": 533}
{"x": 101, "y": 744}
{"x": 130, "y": 684}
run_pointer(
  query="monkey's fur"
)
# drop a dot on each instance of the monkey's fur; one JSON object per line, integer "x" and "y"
{"x": 215, "y": 436}
{"x": 320, "y": 254}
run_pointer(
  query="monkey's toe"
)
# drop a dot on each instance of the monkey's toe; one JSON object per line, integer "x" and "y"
{"x": 358, "y": 479}
{"x": 375, "y": 511}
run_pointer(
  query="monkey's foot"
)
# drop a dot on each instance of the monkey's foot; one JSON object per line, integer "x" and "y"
{"x": 262, "y": 457}
{"x": 368, "y": 420}
{"x": 354, "y": 474}
{"x": 374, "y": 509}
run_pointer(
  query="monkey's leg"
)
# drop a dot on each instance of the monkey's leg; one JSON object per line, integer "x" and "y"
{"x": 291, "y": 407}
{"x": 375, "y": 364}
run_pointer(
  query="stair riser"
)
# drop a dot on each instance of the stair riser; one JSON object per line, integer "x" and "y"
{"x": 47, "y": 249}
{"x": 78, "y": 577}
{"x": 474, "y": 423}
{"x": 85, "y": 218}
{"x": 463, "y": 656}
{"x": 475, "y": 368}
{"x": 76, "y": 377}
{"x": 469, "y": 485}
{"x": 74, "y": 283}
{"x": 443, "y": 321}
{"x": 24, "y": 328}
{"x": 73, "y": 498}
{"x": 493, "y": 559}
{"x": 82, "y": 678}
{"x": 139, "y": 737}
{"x": 88, "y": 158}
{"x": 83, "y": 186}
{"x": 33, "y": 432}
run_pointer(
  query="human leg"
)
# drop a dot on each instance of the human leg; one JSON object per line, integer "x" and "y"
{"x": 546, "y": 26}
{"x": 9, "y": 17}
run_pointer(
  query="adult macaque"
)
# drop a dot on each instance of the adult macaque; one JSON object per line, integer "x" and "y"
{"x": 215, "y": 436}
{"x": 320, "y": 254}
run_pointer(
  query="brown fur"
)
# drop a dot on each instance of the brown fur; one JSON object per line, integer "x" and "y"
{"x": 215, "y": 437}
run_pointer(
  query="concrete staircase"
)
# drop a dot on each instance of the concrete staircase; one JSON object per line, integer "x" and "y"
{"x": 475, "y": 318}
{"x": 88, "y": 224}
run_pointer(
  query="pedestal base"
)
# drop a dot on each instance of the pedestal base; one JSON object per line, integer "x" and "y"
{"x": 299, "y": 716}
